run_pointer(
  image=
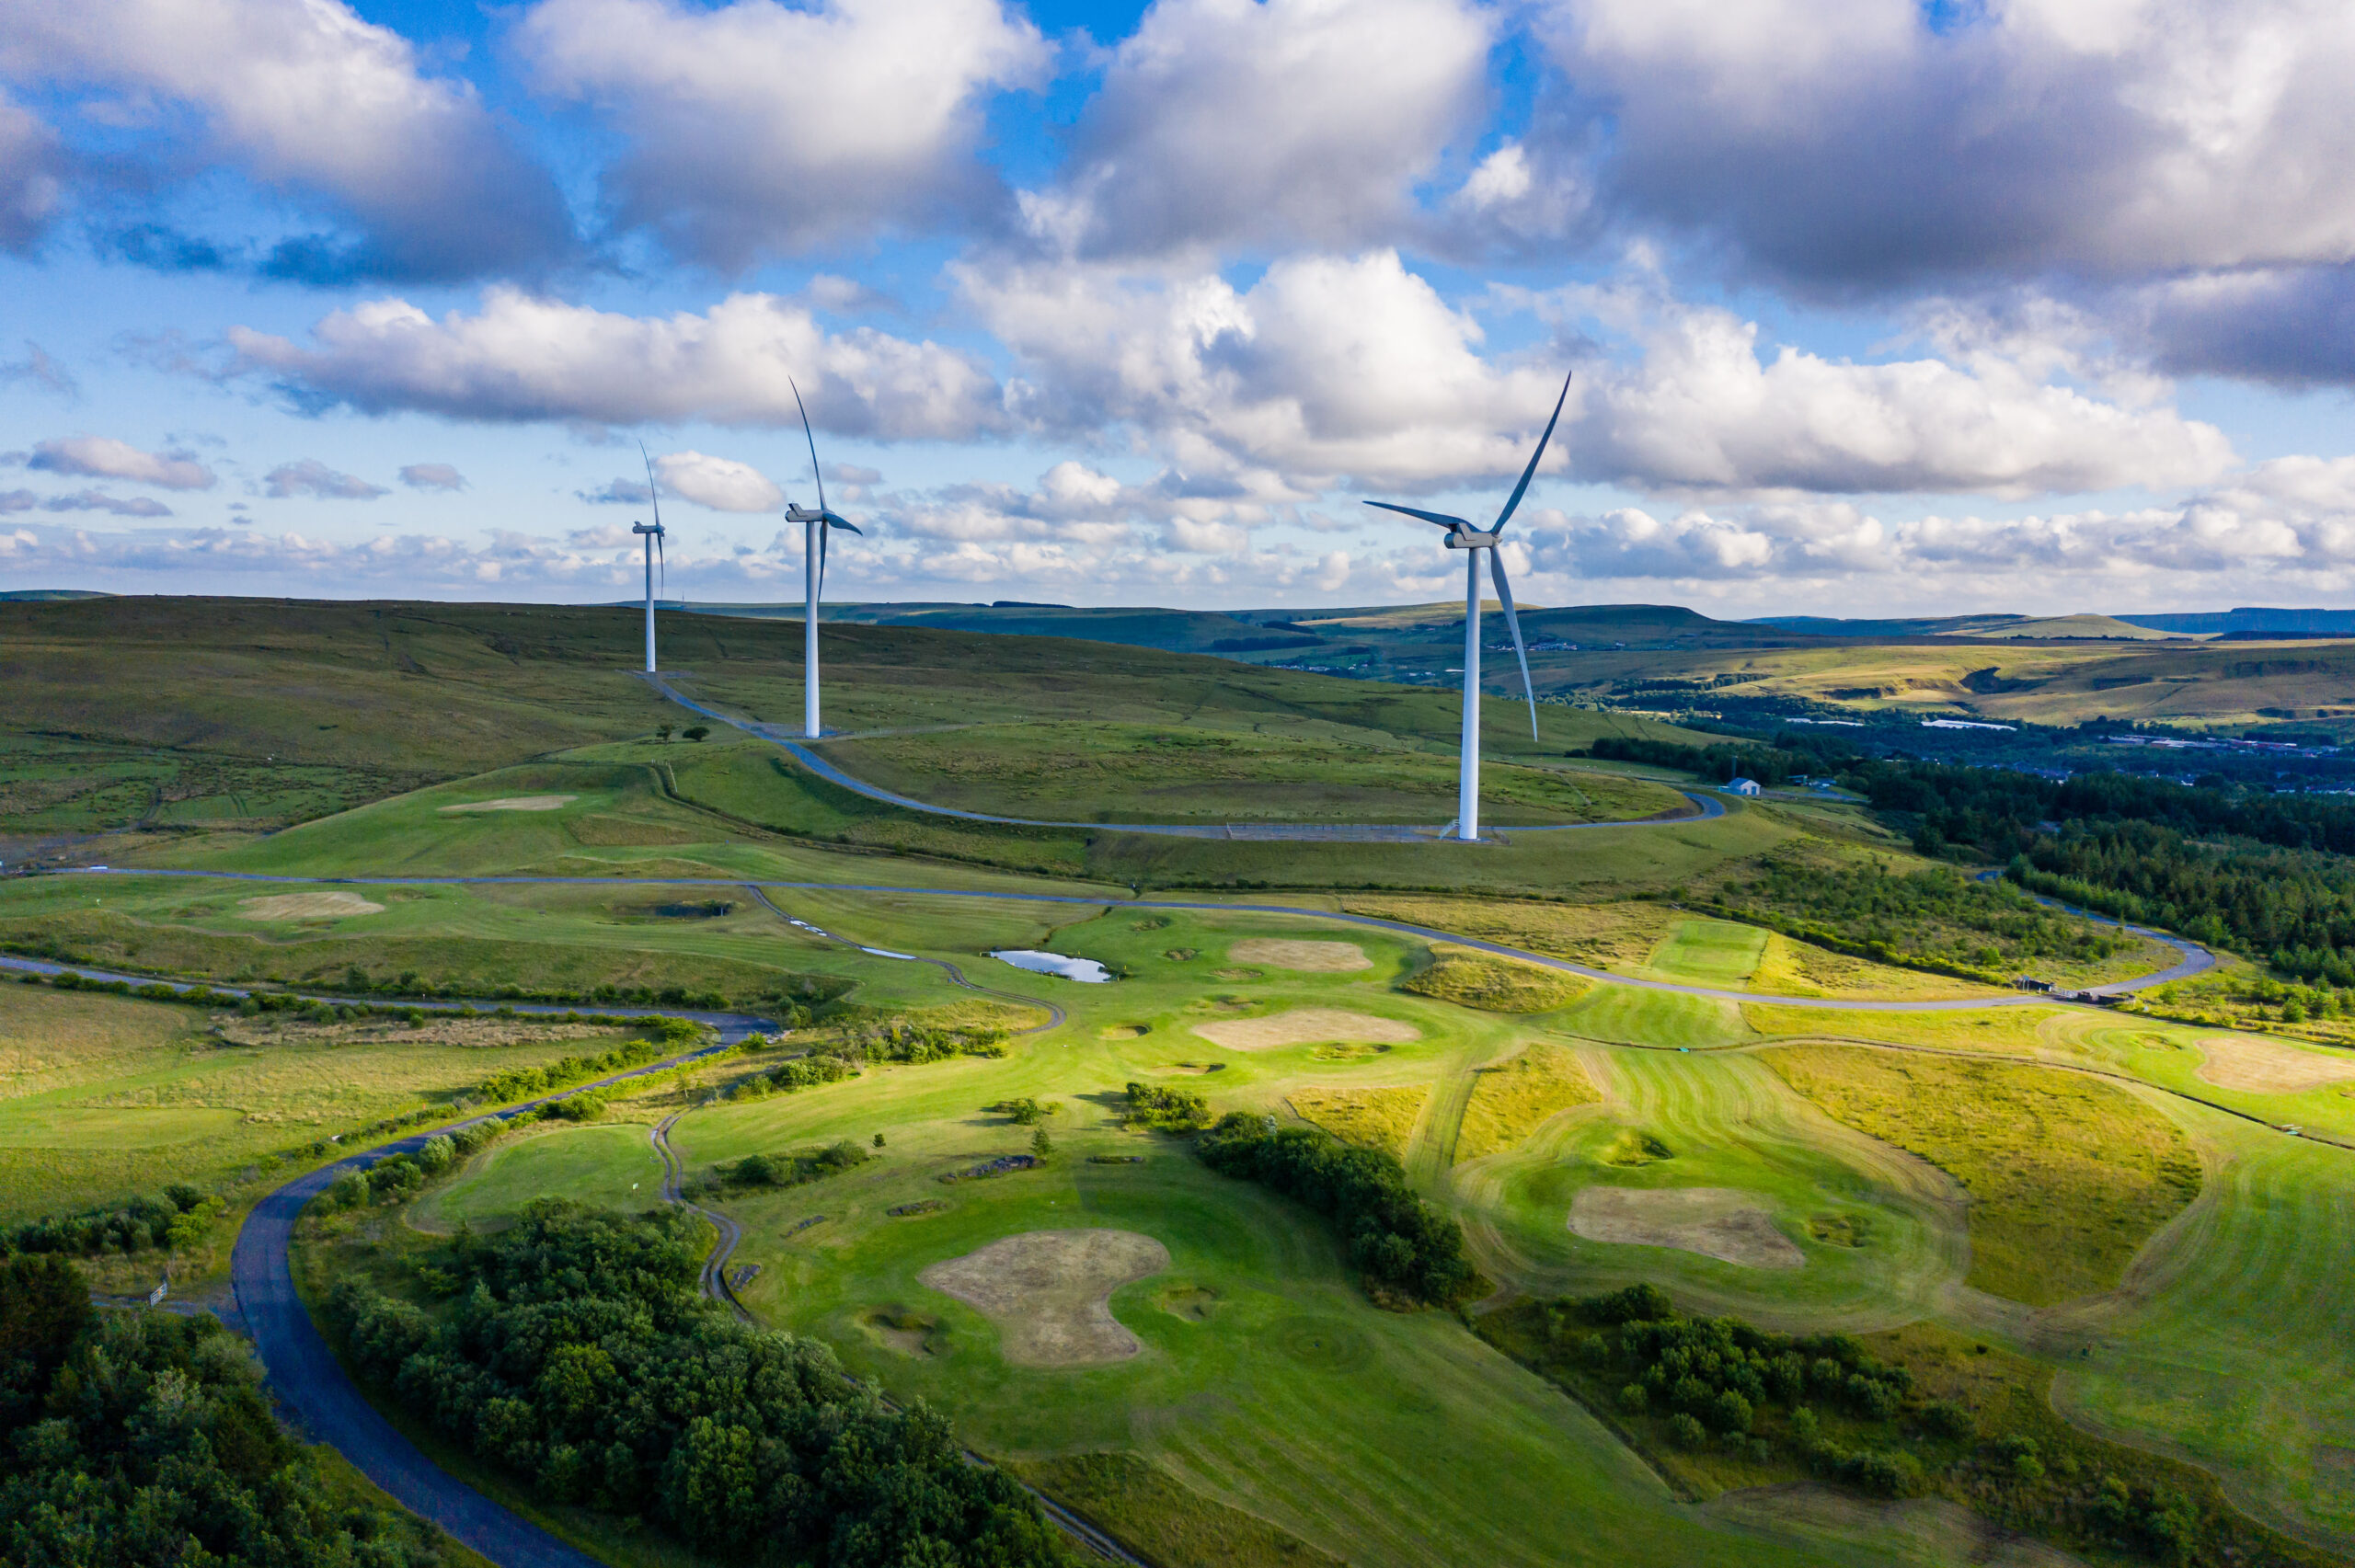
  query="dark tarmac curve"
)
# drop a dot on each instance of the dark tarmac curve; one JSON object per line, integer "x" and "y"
{"x": 1705, "y": 808}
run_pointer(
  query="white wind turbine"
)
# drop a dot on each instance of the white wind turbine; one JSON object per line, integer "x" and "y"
{"x": 653, "y": 533}
{"x": 1462, "y": 535}
{"x": 815, "y": 526}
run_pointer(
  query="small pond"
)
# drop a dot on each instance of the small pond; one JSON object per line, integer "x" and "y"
{"x": 1087, "y": 971}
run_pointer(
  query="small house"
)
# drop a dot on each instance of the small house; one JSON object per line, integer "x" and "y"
{"x": 1742, "y": 786}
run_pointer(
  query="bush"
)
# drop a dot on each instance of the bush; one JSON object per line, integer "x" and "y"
{"x": 1687, "y": 1432}
{"x": 1945, "y": 1418}
{"x": 1173, "y": 1110}
{"x": 1632, "y": 1399}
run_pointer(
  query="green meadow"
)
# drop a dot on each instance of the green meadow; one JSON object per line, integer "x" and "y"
{"x": 2112, "y": 1201}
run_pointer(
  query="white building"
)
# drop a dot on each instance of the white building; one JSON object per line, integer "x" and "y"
{"x": 1742, "y": 786}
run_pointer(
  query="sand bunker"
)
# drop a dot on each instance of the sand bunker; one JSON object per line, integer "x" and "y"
{"x": 1303, "y": 1026}
{"x": 1717, "y": 1222}
{"x": 1315, "y": 957}
{"x": 1047, "y": 1292}
{"x": 516, "y": 802}
{"x": 307, "y": 907}
{"x": 2269, "y": 1067}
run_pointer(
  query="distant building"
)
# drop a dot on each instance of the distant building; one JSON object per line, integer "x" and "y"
{"x": 2029, "y": 982}
{"x": 1744, "y": 786}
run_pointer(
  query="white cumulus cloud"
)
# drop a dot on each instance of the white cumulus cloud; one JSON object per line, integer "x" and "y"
{"x": 721, "y": 482}
{"x": 103, "y": 457}
{"x": 755, "y": 127}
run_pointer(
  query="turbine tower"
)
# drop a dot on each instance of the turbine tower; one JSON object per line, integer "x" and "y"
{"x": 815, "y": 525}
{"x": 1462, "y": 535}
{"x": 653, "y": 533}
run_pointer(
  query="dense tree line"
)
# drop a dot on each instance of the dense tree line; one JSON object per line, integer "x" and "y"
{"x": 1937, "y": 919}
{"x": 2249, "y": 868}
{"x": 1404, "y": 1246}
{"x": 177, "y": 1216}
{"x": 2293, "y": 911}
{"x": 578, "y": 1358}
{"x": 137, "y": 1439}
{"x": 1767, "y": 764}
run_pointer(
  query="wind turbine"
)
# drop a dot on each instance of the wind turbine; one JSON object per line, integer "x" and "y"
{"x": 653, "y": 533}
{"x": 1462, "y": 535}
{"x": 815, "y": 525}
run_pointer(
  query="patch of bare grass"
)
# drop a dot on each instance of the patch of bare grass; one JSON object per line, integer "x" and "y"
{"x": 1048, "y": 1292}
{"x": 1724, "y": 1223}
{"x": 1305, "y": 1026}
{"x": 1309, "y": 958}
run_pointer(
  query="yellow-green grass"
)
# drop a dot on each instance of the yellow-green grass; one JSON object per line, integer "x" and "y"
{"x": 1671, "y": 1120}
{"x": 1717, "y": 953}
{"x": 1630, "y": 1016}
{"x": 1469, "y": 978}
{"x": 1164, "y": 1518}
{"x": 2016, "y": 1030}
{"x": 1595, "y": 933}
{"x": 1513, "y": 1098}
{"x": 1794, "y": 968}
{"x": 1265, "y": 1381}
{"x": 103, "y": 1098}
{"x": 2234, "y": 1344}
{"x": 2068, "y": 1176}
{"x": 611, "y": 1166}
{"x": 1373, "y": 1118}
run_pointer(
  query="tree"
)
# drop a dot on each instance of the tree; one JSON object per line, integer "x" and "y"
{"x": 1041, "y": 1144}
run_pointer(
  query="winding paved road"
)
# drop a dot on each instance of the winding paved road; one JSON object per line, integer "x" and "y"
{"x": 1704, "y": 807}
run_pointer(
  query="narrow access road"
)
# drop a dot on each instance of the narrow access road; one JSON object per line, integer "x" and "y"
{"x": 2195, "y": 959}
{"x": 1330, "y": 917}
{"x": 1703, "y": 806}
{"x": 313, "y": 1388}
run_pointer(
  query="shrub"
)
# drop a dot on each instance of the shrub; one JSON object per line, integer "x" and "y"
{"x": 1687, "y": 1432}
{"x": 1945, "y": 1418}
{"x": 1632, "y": 1399}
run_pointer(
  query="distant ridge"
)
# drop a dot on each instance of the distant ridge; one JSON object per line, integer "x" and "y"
{"x": 2317, "y": 623}
{"x": 49, "y": 595}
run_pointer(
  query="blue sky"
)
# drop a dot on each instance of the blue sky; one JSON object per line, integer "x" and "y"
{"x": 1873, "y": 308}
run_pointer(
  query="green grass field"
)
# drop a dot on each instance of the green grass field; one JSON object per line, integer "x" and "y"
{"x": 1803, "y": 1167}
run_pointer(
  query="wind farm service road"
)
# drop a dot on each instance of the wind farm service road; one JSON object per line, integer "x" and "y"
{"x": 1705, "y": 808}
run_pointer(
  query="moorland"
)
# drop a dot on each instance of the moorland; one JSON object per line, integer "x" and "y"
{"x": 1679, "y": 1188}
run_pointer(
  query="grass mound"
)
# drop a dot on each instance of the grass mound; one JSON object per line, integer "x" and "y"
{"x": 2068, "y": 1177}
{"x": 1635, "y": 1148}
{"x": 1472, "y": 978}
{"x": 1513, "y": 1098}
{"x": 1372, "y": 1118}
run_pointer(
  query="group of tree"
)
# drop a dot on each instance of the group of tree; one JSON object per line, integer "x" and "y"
{"x": 140, "y": 1439}
{"x": 907, "y": 1040}
{"x": 795, "y": 1170}
{"x": 667, "y": 1036}
{"x": 578, "y": 1358}
{"x": 2259, "y": 870}
{"x": 177, "y": 1217}
{"x": 1172, "y": 1110}
{"x": 1403, "y": 1246}
{"x": 1825, "y": 1402}
{"x": 1936, "y": 918}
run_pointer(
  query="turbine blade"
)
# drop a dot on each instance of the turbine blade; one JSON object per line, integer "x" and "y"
{"x": 653, "y": 492}
{"x": 1438, "y": 516}
{"x": 843, "y": 523}
{"x": 822, "y": 532}
{"x": 814, "y": 459}
{"x": 1531, "y": 471}
{"x": 1504, "y": 597}
{"x": 662, "y": 567}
